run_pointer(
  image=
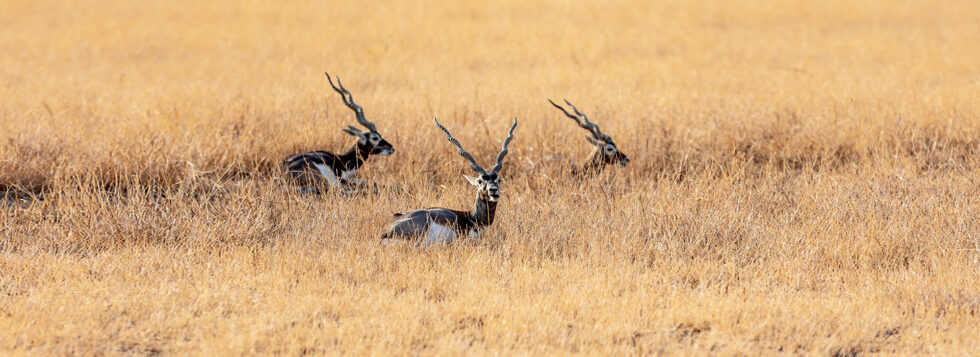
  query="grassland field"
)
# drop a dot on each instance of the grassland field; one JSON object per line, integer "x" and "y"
{"x": 803, "y": 179}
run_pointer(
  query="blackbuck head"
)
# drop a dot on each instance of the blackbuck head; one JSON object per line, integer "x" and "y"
{"x": 487, "y": 182}
{"x": 370, "y": 141}
{"x": 606, "y": 150}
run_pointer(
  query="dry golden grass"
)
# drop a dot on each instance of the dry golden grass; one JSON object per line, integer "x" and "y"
{"x": 804, "y": 177}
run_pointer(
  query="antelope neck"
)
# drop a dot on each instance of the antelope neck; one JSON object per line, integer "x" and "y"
{"x": 354, "y": 157}
{"x": 483, "y": 211}
{"x": 595, "y": 164}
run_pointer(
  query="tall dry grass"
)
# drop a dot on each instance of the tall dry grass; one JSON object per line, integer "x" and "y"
{"x": 803, "y": 179}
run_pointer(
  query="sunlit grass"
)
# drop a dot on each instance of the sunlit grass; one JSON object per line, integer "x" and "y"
{"x": 802, "y": 180}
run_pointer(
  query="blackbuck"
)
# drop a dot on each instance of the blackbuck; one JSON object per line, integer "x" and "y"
{"x": 605, "y": 152}
{"x": 320, "y": 169}
{"x": 443, "y": 225}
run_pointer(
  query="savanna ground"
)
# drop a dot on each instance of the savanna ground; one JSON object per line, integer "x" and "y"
{"x": 804, "y": 177}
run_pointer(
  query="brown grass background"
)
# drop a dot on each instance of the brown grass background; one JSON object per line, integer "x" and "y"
{"x": 803, "y": 179}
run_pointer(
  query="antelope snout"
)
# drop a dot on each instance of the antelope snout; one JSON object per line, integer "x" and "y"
{"x": 494, "y": 193}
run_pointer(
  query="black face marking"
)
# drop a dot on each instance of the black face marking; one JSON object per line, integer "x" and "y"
{"x": 490, "y": 184}
{"x": 377, "y": 145}
{"x": 618, "y": 158}
{"x": 609, "y": 149}
{"x": 611, "y": 154}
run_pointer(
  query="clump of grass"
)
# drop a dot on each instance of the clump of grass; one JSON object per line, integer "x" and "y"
{"x": 802, "y": 180}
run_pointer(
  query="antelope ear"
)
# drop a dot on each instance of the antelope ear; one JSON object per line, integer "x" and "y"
{"x": 361, "y": 136}
{"x": 595, "y": 142}
{"x": 473, "y": 180}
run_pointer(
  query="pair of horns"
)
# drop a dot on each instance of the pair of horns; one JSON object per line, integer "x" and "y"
{"x": 500, "y": 156}
{"x": 583, "y": 121}
{"x": 349, "y": 101}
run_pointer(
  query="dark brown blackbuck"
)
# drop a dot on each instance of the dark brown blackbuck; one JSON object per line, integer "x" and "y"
{"x": 443, "y": 225}
{"x": 316, "y": 171}
{"x": 605, "y": 153}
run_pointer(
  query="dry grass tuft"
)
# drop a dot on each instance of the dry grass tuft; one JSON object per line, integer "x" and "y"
{"x": 803, "y": 179}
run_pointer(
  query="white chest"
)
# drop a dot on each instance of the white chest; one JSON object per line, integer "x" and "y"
{"x": 328, "y": 174}
{"x": 332, "y": 179}
{"x": 476, "y": 233}
{"x": 439, "y": 234}
{"x": 348, "y": 175}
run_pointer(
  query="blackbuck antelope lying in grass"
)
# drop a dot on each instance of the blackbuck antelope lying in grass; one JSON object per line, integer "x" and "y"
{"x": 605, "y": 153}
{"x": 319, "y": 169}
{"x": 443, "y": 225}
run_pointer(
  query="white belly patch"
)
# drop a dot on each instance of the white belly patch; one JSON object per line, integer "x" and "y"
{"x": 350, "y": 176}
{"x": 347, "y": 175}
{"x": 328, "y": 174}
{"x": 439, "y": 234}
